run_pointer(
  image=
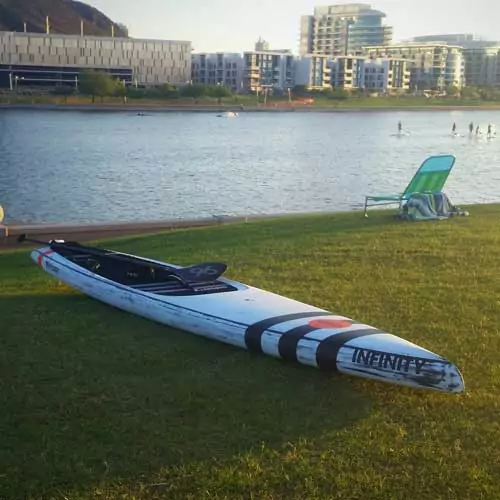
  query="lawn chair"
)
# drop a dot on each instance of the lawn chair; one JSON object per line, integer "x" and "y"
{"x": 429, "y": 178}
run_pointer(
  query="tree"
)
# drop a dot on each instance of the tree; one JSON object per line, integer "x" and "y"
{"x": 168, "y": 91}
{"x": 453, "y": 91}
{"x": 120, "y": 88}
{"x": 471, "y": 93}
{"x": 488, "y": 94}
{"x": 123, "y": 28}
{"x": 338, "y": 93}
{"x": 195, "y": 91}
{"x": 63, "y": 91}
{"x": 220, "y": 91}
{"x": 97, "y": 83}
{"x": 301, "y": 91}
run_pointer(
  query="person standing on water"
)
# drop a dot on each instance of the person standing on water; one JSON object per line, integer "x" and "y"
{"x": 400, "y": 126}
{"x": 471, "y": 127}
{"x": 454, "y": 128}
{"x": 477, "y": 130}
{"x": 489, "y": 129}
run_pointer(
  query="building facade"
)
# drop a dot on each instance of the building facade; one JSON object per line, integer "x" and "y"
{"x": 220, "y": 68}
{"x": 268, "y": 70}
{"x": 53, "y": 59}
{"x": 338, "y": 30}
{"x": 432, "y": 65}
{"x": 482, "y": 66}
{"x": 480, "y": 57}
{"x": 387, "y": 75}
{"x": 382, "y": 75}
{"x": 465, "y": 40}
{"x": 313, "y": 72}
{"x": 347, "y": 72}
{"x": 256, "y": 71}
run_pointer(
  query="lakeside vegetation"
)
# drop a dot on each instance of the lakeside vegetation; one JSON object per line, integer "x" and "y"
{"x": 99, "y": 87}
{"x": 98, "y": 403}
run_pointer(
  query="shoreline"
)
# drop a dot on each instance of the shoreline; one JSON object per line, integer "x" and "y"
{"x": 85, "y": 232}
{"x": 156, "y": 108}
{"x": 105, "y": 230}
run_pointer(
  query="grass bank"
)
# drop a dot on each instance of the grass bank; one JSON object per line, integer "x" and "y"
{"x": 251, "y": 103}
{"x": 97, "y": 403}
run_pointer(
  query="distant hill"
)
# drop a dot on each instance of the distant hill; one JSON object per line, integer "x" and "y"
{"x": 64, "y": 17}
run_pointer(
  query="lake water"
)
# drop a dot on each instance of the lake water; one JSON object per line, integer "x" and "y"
{"x": 65, "y": 166}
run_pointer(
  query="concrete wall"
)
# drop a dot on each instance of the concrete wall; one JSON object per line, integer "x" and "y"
{"x": 152, "y": 61}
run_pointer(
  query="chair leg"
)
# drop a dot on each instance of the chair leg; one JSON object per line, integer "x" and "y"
{"x": 400, "y": 206}
{"x": 366, "y": 207}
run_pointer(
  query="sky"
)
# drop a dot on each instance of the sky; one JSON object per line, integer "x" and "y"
{"x": 234, "y": 26}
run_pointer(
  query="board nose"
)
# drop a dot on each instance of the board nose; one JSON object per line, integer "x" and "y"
{"x": 403, "y": 363}
{"x": 453, "y": 380}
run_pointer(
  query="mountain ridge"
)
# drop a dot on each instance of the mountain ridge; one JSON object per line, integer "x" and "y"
{"x": 65, "y": 17}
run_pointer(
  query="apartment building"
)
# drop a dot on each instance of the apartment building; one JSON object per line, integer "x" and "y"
{"x": 220, "y": 68}
{"x": 481, "y": 57}
{"x": 432, "y": 65}
{"x": 53, "y": 59}
{"x": 338, "y": 30}
{"x": 482, "y": 66}
{"x": 313, "y": 72}
{"x": 465, "y": 40}
{"x": 257, "y": 70}
{"x": 271, "y": 70}
{"x": 385, "y": 75}
{"x": 347, "y": 72}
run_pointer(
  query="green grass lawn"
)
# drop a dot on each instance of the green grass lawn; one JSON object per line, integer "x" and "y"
{"x": 400, "y": 102}
{"x": 251, "y": 101}
{"x": 100, "y": 404}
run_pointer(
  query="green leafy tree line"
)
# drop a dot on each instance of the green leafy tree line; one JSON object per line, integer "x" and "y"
{"x": 101, "y": 84}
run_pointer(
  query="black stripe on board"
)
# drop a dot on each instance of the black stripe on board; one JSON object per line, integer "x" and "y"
{"x": 328, "y": 349}
{"x": 253, "y": 333}
{"x": 288, "y": 342}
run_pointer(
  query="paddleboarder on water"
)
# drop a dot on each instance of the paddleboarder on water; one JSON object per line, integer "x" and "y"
{"x": 471, "y": 127}
{"x": 400, "y": 127}
{"x": 489, "y": 129}
{"x": 454, "y": 128}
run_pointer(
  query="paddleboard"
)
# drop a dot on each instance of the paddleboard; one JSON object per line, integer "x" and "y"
{"x": 199, "y": 300}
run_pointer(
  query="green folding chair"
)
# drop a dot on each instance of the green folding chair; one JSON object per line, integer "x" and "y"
{"x": 429, "y": 178}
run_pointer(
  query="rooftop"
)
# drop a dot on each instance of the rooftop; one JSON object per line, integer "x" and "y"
{"x": 349, "y": 9}
{"x": 87, "y": 37}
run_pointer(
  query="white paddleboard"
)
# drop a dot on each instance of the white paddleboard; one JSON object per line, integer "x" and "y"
{"x": 252, "y": 319}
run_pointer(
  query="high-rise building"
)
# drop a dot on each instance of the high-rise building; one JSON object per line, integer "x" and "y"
{"x": 337, "y": 30}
